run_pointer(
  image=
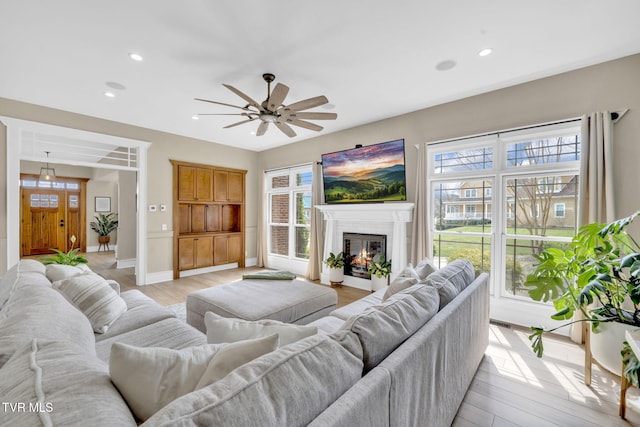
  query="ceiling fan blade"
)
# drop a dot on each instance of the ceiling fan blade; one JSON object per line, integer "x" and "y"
{"x": 239, "y": 123}
{"x": 244, "y": 96}
{"x": 262, "y": 128}
{"x": 277, "y": 96}
{"x": 304, "y": 124}
{"x": 222, "y": 103}
{"x": 285, "y": 129}
{"x": 225, "y": 114}
{"x": 307, "y": 103}
{"x": 310, "y": 115}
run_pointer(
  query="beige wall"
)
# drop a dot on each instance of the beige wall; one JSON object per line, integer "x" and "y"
{"x": 100, "y": 188}
{"x": 612, "y": 85}
{"x": 608, "y": 86}
{"x": 164, "y": 146}
{"x": 127, "y": 227}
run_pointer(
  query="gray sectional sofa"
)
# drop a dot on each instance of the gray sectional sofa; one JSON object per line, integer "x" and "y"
{"x": 404, "y": 361}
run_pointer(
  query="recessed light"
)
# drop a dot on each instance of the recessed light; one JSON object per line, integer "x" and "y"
{"x": 116, "y": 85}
{"x": 485, "y": 52}
{"x": 195, "y": 117}
{"x": 109, "y": 94}
{"x": 135, "y": 56}
{"x": 446, "y": 65}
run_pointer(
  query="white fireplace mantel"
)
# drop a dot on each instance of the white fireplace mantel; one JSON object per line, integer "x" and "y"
{"x": 389, "y": 219}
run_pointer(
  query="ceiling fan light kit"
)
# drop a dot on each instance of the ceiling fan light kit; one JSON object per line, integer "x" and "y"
{"x": 272, "y": 109}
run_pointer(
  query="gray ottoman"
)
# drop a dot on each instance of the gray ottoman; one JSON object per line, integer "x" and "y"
{"x": 289, "y": 301}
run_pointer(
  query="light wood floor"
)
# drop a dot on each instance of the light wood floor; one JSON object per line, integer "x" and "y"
{"x": 512, "y": 386}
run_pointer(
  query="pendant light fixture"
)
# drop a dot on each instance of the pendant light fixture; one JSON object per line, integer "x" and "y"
{"x": 48, "y": 174}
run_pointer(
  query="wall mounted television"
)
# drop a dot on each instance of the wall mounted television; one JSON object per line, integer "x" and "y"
{"x": 374, "y": 173}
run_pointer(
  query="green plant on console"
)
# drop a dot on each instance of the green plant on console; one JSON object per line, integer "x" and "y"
{"x": 380, "y": 268}
{"x": 104, "y": 223}
{"x": 68, "y": 258}
{"x": 335, "y": 260}
{"x": 602, "y": 266}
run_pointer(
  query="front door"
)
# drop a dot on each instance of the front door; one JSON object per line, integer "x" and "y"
{"x": 49, "y": 217}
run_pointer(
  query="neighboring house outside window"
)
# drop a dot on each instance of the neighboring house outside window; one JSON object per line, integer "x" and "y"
{"x": 500, "y": 199}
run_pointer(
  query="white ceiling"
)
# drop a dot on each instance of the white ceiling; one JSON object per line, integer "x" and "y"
{"x": 373, "y": 59}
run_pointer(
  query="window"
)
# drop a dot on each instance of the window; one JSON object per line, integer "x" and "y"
{"x": 470, "y": 193}
{"x": 289, "y": 213}
{"x": 528, "y": 183}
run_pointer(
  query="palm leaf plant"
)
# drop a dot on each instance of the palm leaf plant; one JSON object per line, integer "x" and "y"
{"x": 104, "y": 223}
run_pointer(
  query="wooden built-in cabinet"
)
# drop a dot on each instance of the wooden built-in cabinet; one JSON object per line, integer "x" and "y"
{"x": 208, "y": 216}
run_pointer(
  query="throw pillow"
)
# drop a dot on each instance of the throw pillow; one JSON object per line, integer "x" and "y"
{"x": 425, "y": 268}
{"x": 452, "y": 279}
{"x": 382, "y": 328}
{"x": 149, "y": 378}
{"x": 226, "y": 330}
{"x": 407, "y": 277}
{"x": 95, "y": 298}
{"x": 57, "y": 272}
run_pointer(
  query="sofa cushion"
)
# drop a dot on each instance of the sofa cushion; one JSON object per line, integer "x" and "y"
{"x": 425, "y": 268}
{"x": 70, "y": 387}
{"x": 40, "y": 312}
{"x": 168, "y": 333}
{"x": 288, "y": 387}
{"x": 327, "y": 324}
{"x": 57, "y": 272}
{"x": 222, "y": 329}
{"x": 407, "y": 278}
{"x": 10, "y": 279}
{"x": 384, "y": 327}
{"x": 94, "y": 297}
{"x": 141, "y": 311}
{"x": 150, "y": 378}
{"x": 359, "y": 305}
{"x": 452, "y": 279}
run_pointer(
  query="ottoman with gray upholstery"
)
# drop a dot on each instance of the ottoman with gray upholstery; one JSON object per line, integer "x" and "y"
{"x": 289, "y": 301}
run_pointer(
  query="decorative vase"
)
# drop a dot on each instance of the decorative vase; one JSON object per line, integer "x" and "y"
{"x": 378, "y": 283}
{"x": 607, "y": 343}
{"x": 336, "y": 275}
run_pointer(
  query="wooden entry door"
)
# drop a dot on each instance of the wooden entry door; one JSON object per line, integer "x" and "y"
{"x": 49, "y": 219}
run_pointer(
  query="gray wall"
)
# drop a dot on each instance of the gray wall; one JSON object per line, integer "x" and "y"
{"x": 127, "y": 228}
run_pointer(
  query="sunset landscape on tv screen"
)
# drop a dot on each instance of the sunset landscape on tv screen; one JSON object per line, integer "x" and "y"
{"x": 374, "y": 173}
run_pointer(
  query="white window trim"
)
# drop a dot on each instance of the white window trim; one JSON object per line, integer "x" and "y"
{"x": 555, "y": 210}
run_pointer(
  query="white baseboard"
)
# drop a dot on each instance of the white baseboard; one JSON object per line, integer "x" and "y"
{"x": 95, "y": 248}
{"x": 159, "y": 276}
{"x": 212, "y": 269}
{"x": 126, "y": 263}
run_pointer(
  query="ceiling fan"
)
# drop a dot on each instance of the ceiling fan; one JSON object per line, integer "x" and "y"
{"x": 272, "y": 109}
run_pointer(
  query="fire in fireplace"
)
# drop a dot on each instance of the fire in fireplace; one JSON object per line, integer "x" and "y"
{"x": 360, "y": 250}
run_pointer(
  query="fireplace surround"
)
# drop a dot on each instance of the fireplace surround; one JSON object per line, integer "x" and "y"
{"x": 388, "y": 219}
{"x": 360, "y": 250}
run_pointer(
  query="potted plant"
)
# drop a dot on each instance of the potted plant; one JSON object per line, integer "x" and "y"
{"x": 68, "y": 258}
{"x": 379, "y": 270}
{"x": 598, "y": 275}
{"x": 103, "y": 225}
{"x": 335, "y": 262}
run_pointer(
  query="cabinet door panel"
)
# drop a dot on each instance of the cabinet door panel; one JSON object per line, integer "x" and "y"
{"x": 234, "y": 248}
{"x": 220, "y": 184}
{"x": 186, "y": 182}
{"x": 184, "y": 218}
{"x": 220, "y": 250}
{"x": 235, "y": 187}
{"x": 203, "y": 185}
{"x": 204, "y": 251}
{"x": 197, "y": 218}
{"x": 212, "y": 218}
{"x": 186, "y": 251}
